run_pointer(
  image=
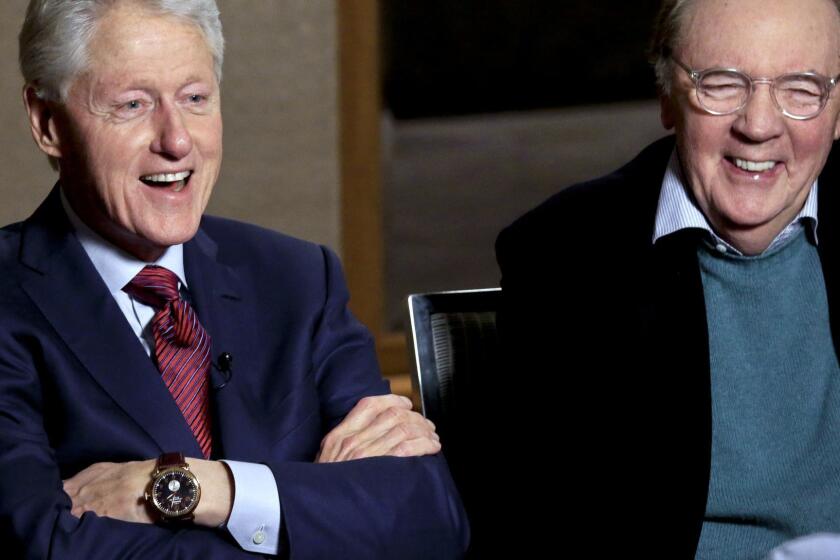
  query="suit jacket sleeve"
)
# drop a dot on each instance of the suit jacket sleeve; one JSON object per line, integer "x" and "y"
{"x": 383, "y": 507}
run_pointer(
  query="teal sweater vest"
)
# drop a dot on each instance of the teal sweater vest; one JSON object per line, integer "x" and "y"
{"x": 775, "y": 401}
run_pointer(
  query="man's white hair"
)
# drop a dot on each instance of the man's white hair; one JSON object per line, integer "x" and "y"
{"x": 666, "y": 36}
{"x": 55, "y": 36}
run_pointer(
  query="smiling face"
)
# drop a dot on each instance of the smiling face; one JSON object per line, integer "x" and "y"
{"x": 139, "y": 139}
{"x": 750, "y": 172}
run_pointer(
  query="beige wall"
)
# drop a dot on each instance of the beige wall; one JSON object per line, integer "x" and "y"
{"x": 280, "y": 106}
{"x": 25, "y": 175}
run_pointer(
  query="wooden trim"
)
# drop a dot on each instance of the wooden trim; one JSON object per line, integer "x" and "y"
{"x": 393, "y": 354}
{"x": 362, "y": 241}
{"x": 362, "y": 244}
{"x": 394, "y": 361}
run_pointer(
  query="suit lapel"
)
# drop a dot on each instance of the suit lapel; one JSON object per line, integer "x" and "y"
{"x": 65, "y": 286}
{"x": 673, "y": 312}
{"x": 828, "y": 235}
{"x": 217, "y": 297}
{"x": 266, "y": 364}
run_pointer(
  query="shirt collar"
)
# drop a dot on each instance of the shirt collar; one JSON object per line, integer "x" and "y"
{"x": 116, "y": 267}
{"x": 677, "y": 211}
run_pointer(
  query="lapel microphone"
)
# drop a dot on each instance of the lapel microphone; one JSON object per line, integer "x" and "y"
{"x": 224, "y": 365}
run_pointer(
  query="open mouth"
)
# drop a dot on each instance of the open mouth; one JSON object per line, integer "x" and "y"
{"x": 751, "y": 166}
{"x": 175, "y": 181}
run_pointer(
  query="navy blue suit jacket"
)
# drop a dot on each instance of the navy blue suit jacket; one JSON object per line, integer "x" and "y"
{"x": 76, "y": 387}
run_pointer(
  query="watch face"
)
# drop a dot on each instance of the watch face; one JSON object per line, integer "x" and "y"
{"x": 175, "y": 492}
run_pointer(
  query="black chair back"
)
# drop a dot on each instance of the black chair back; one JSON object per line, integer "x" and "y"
{"x": 456, "y": 355}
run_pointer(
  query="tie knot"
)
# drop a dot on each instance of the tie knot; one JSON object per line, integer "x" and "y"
{"x": 154, "y": 286}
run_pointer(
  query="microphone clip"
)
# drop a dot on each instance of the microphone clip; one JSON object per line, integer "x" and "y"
{"x": 224, "y": 365}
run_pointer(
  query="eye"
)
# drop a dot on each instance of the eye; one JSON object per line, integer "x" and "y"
{"x": 131, "y": 108}
{"x": 801, "y": 87}
{"x": 722, "y": 85}
{"x": 196, "y": 98}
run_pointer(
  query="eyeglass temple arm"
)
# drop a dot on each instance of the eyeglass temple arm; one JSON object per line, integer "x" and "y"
{"x": 693, "y": 74}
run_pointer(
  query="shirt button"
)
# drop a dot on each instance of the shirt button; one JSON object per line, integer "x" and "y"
{"x": 258, "y": 538}
{"x": 721, "y": 247}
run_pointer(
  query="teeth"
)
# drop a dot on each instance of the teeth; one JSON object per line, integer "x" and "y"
{"x": 166, "y": 177}
{"x": 747, "y": 165}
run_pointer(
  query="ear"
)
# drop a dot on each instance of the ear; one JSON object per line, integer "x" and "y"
{"x": 837, "y": 126}
{"x": 42, "y": 122}
{"x": 666, "y": 111}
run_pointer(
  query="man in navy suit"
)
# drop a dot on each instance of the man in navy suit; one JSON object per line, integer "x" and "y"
{"x": 175, "y": 385}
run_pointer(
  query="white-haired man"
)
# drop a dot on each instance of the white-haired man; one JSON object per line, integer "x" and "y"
{"x": 682, "y": 311}
{"x": 117, "y": 297}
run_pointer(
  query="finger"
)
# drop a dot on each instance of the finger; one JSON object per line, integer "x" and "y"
{"x": 331, "y": 442}
{"x": 95, "y": 483}
{"x": 71, "y": 488}
{"x": 386, "y": 422}
{"x": 85, "y": 476}
{"x": 368, "y": 408}
{"x": 330, "y": 445}
{"x": 376, "y": 428}
{"x": 401, "y": 445}
{"x": 387, "y": 442}
{"x": 416, "y": 448}
{"x": 362, "y": 414}
{"x": 388, "y": 419}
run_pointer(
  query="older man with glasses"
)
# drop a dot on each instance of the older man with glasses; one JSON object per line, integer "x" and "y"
{"x": 682, "y": 312}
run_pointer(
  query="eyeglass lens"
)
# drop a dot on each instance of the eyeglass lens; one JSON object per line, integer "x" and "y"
{"x": 726, "y": 91}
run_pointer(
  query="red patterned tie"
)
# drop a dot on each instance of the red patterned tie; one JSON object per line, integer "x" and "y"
{"x": 182, "y": 347}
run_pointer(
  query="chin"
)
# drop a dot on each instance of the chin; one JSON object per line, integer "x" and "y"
{"x": 175, "y": 238}
{"x": 163, "y": 237}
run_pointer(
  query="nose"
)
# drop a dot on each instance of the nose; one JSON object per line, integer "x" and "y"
{"x": 172, "y": 138}
{"x": 760, "y": 119}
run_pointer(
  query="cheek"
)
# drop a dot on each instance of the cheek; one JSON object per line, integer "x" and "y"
{"x": 208, "y": 135}
{"x": 700, "y": 146}
{"x": 116, "y": 151}
{"x": 114, "y": 169}
{"x": 811, "y": 147}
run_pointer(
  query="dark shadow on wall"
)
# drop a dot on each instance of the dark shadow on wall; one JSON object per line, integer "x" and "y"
{"x": 476, "y": 56}
{"x": 491, "y": 106}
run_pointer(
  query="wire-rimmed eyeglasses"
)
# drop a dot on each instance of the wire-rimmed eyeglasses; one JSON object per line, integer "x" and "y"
{"x": 723, "y": 91}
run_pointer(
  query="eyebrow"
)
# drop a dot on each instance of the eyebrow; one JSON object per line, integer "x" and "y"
{"x": 144, "y": 84}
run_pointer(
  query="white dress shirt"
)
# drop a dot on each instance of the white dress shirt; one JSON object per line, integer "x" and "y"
{"x": 255, "y": 517}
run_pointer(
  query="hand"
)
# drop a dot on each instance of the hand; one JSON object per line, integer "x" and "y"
{"x": 117, "y": 490}
{"x": 377, "y": 426}
{"x": 112, "y": 490}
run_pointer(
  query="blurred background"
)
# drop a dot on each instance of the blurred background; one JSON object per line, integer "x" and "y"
{"x": 402, "y": 133}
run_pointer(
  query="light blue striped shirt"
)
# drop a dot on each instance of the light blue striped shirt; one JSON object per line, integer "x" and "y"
{"x": 677, "y": 210}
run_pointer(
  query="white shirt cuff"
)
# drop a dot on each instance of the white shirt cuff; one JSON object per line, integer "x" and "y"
{"x": 255, "y": 517}
{"x": 817, "y": 546}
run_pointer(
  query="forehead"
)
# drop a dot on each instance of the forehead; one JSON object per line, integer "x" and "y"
{"x": 131, "y": 42}
{"x": 762, "y": 35}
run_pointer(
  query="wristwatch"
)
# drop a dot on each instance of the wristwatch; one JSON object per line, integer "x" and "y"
{"x": 174, "y": 492}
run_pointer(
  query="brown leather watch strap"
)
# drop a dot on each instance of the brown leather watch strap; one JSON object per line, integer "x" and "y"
{"x": 173, "y": 459}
